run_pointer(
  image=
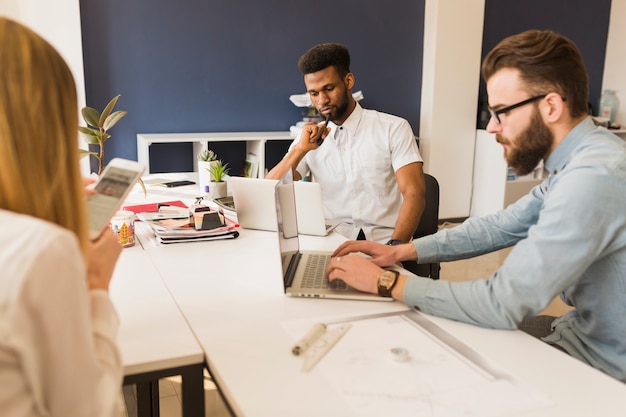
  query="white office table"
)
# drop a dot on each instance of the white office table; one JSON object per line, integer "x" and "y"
{"x": 154, "y": 339}
{"x": 231, "y": 294}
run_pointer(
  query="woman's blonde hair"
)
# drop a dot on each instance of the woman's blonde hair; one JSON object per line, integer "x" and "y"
{"x": 39, "y": 167}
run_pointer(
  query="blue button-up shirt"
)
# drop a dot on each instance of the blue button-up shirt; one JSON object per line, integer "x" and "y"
{"x": 569, "y": 234}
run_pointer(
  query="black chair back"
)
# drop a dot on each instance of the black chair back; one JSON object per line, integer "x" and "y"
{"x": 429, "y": 224}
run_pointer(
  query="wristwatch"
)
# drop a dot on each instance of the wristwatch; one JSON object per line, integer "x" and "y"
{"x": 394, "y": 242}
{"x": 386, "y": 281}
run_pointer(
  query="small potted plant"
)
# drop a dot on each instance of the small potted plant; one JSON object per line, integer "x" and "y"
{"x": 206, "y": 159}
{"x": 217, "y": 186}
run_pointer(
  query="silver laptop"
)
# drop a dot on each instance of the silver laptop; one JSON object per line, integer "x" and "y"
{"x": 310, "y": 210}
{"x": 304, "y": 272}
{"x": 255, "y": 204}
{"x": 254, "y": 200}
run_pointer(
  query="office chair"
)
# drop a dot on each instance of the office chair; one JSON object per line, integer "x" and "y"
{"x": 429, "y": 224}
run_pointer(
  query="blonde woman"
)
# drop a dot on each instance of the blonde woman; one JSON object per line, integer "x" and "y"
{"x": 58, "y": 355}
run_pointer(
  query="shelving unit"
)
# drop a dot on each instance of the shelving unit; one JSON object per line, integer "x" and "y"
{"x": 255, "y": 142}
{"x": 492, "y": 191}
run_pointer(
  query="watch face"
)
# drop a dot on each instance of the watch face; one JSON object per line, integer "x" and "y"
{"x": 387, "y": 278}
{"x": 386, "y": 282}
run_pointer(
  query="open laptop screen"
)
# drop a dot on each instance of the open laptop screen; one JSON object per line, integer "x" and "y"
{"x": 287, "y": 225}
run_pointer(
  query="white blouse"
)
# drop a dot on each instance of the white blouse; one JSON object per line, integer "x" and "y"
{"x": 58, "y": 354}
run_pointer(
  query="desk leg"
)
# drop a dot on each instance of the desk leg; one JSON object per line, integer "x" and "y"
{"x": 148, "y": 399}
{"x": 193, "y": 391}
{"x": 148, "y": 390}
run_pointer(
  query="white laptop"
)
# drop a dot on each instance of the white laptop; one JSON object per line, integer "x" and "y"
{"x": 304, "y": 272}
{"x": 255, "y": 204}
{"x": 310, "y": 210}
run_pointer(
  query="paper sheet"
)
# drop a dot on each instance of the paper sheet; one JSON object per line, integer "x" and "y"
{"x": 304, "y": 100}
{"x": 436, "y": 380}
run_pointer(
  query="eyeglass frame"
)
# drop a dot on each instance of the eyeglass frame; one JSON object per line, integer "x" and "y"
{"x": 495, "y": 114}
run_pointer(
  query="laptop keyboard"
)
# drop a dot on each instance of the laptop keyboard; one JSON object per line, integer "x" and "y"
{"x": 315, "y": 276}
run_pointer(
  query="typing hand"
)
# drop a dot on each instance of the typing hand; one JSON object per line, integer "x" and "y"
{"x": 356, "y": 271}
{"x": 381, "y": 255}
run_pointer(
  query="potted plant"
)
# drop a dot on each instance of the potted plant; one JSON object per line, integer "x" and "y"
{"x": 96, "y": 132}
{"x": 218, "y": 187}
{"x": 206, "y": 159}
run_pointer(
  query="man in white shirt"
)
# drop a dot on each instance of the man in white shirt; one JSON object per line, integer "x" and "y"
{"x": 367, "y": 162}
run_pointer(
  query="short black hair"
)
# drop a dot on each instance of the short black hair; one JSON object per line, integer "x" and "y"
{"x": 323, "y": 56}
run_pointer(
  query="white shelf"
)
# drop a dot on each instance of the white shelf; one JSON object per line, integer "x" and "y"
{"x": 255, "y": 142}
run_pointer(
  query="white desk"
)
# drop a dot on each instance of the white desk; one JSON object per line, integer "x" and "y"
{"x": 231, "y": 294}
{"x": 154, "y": 339}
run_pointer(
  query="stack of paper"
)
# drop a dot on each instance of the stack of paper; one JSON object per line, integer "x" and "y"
{"x": 168, "y": 230}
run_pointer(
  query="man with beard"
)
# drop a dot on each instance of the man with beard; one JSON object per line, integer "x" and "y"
{"x": 367, "y": 162}
{"x": 569, "y": 232}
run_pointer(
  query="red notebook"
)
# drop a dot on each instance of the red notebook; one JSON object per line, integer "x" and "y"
{"x": 153, "y": 207}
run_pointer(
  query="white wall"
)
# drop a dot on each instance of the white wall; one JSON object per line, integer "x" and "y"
{"x": 614, "y": 77}
{"x": 451, "y": 74}
{"x": 58, "y": 22}
{"x": 453, "y": 32}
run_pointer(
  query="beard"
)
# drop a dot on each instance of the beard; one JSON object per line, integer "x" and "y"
{"x": 341, "y": 108}
{"x": 531, "y": 146}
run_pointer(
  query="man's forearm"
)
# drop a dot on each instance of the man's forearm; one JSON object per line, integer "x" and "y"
{"x": 408, "y": 219}
{"x": 290, "y": 161}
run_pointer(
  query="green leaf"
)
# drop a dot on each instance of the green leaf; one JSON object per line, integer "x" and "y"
{"x": 105, "y": 136}
{"x": 113, "y": 119}
{"x": 83, "y": 153}
{"x": 91, "y": 116}
{"x": 107, "y": 110}
{"x": 89, "y": 135}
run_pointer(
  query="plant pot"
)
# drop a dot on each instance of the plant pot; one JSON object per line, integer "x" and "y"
{"x": 218, "y": 189}
{"x": 204, "y": 176}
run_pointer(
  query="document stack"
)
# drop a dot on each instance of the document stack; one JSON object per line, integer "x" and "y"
{"x": 199, "y": 224}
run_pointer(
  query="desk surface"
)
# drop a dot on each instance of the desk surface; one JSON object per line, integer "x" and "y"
{"x": 230, "y": 292}
{"x": 153, "y": 333}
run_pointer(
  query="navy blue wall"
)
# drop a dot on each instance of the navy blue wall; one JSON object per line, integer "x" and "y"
{"x": 586, "y": 22}
{"x": 207, "y": 65}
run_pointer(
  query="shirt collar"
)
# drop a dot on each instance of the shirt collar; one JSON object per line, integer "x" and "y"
{"x": 559, "y": 158}
{"x": 352, "y": 121}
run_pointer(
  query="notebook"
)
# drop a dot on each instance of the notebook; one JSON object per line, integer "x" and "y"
{"x": 304, "y": 272}
{"x": 255, "y": 203}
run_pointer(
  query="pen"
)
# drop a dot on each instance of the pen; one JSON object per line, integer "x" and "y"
{"x": 320, "y": 140}
{"x": 309, "y": 338}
